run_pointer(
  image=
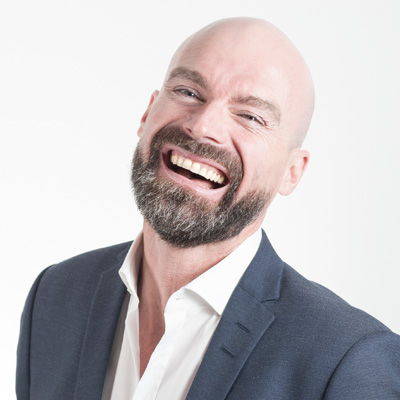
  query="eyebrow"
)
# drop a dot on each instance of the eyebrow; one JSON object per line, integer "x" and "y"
{"x": 190, "y": 75}
{"x": 261, "y": 104}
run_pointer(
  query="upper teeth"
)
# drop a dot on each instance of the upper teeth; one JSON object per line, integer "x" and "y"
{"x": 196, "y": 168}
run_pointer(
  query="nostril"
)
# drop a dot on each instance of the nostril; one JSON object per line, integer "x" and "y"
{"x": 211, "y": 139}
{"x": 188, "y": 129}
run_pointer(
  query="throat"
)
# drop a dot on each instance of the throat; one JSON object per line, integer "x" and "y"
{"x": 150, "y": 334}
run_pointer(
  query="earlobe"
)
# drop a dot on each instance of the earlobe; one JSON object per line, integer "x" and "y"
{"x": 146, "y": 114}
{"x": 295, "y": 171}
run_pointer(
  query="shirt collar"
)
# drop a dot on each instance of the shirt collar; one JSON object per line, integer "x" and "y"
{"x": 131, "y": 265}
{"x": 215, "y": 286}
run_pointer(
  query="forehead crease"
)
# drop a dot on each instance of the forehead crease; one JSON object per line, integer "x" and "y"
{"x": 190, "y": 75}
{"x": 259, "y": 103}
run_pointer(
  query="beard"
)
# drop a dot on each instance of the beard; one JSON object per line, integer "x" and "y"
{"x": 180, "y": 216}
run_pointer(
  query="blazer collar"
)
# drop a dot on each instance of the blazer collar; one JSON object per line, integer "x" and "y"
{"x": 262, "y": 278}
{"x": 100, "y": 330}
{"x": 244, "y": 321}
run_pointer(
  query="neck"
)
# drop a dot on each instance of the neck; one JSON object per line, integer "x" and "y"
{"x": 165, "y": 268}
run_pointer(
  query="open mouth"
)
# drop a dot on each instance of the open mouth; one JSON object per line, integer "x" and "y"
{"x": 204, "y": 175}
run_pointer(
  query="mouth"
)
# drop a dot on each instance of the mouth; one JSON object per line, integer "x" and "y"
{"x": 198, "y": 172}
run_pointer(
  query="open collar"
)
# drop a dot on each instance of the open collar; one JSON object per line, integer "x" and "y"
{"x": 244, "y": 321}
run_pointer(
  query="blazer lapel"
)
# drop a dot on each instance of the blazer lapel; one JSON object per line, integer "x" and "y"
{"x": 244, "y": 321}
{"x": 99, "y": 334}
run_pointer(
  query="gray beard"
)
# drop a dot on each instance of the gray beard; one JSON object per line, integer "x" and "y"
{"x": 181, "y": 217}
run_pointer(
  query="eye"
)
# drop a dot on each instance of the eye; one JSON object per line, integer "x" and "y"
{"x": 253, "y": 118}
{"x": 182, "y": 91}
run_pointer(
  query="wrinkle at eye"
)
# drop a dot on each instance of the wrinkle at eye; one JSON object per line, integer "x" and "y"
{"x": 261, "y": 104}
{"x": 187, "y": 92}
{"x": 253, "y": 118}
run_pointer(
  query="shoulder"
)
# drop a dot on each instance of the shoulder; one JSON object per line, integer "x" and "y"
{"x": 89, "y": 263}
{"x": 99, "y": 257}
{"x": 329, "y": 342}
{"x": 316, "y": 320}
{"x": 323, "y": 311}
{"x": 57, "y": 311}
{"x": 370, "y": 369}
{"x": 77, "y": 277}
{"x": 68, "y": 288}
{"x": 304, "y": 310}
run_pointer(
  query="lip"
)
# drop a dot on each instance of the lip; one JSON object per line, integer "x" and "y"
{"x": 212, "y": 194}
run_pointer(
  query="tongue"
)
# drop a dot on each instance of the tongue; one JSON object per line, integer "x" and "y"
{"x": 204, "y": 183}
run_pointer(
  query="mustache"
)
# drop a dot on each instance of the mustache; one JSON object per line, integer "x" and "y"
{"x": 177, "y": 136}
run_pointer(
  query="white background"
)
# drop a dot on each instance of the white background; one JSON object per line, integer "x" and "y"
{"x": 75, "y": 78}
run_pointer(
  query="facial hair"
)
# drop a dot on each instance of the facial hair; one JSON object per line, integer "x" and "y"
{"x": 181, "y": 217}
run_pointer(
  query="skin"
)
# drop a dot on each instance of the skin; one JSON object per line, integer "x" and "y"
{"x": 241, "y": 85}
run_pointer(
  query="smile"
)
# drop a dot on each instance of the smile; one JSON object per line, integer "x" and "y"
{"x": 192, "y": 169}
{"x": 196, "y": 168}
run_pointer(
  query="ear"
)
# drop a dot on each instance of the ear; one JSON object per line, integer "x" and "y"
{"x": 146, "y": 114}
{"x": 296, "y": 167}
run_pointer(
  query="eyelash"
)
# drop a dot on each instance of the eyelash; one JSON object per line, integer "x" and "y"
{"x": 187, "y": 92}
{"x": 252, "y": 117}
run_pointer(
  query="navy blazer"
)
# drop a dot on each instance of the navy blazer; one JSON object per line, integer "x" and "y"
{"x": 280, "y": 337}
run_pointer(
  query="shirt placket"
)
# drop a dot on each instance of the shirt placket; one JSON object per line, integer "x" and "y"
{"x": 174, "y": 315}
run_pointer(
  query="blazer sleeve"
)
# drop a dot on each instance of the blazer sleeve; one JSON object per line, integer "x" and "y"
{"x": 24, "y": 344}
{"x": 370, "y": 370}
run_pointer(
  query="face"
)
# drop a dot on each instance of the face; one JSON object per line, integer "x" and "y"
{"x": 215, "y": 143}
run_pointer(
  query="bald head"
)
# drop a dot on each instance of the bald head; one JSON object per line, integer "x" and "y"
{"x": 237, "y": 90}
{"x": 250, "y": 46}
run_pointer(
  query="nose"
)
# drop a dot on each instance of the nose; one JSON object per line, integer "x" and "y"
{"x": 208, "y": 123}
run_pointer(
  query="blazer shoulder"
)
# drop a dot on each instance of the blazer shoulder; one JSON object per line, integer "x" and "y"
{"x": 370, "y": 369}
{"x": 317, "y": 335}
{"x": 94, "y": 261}
{"x": 77, "y": 278}
{"x": 323, "y": 311}
{"x": 98, "y": 256}
{"x": 56, "y": 316}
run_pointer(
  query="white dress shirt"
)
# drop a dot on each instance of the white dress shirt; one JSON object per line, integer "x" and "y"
{"x": 191, "y": 316}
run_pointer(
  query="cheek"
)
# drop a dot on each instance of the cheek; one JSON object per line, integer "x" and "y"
{"x": 256, "y": 171}
{"x": 265, "y": 171}
{"x": 159, "y": 120}
{"x": 164, "y": 110}
{"x": 155, "y": 121}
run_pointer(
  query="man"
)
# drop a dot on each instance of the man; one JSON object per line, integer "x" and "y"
{"x": 211, "y": 311}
